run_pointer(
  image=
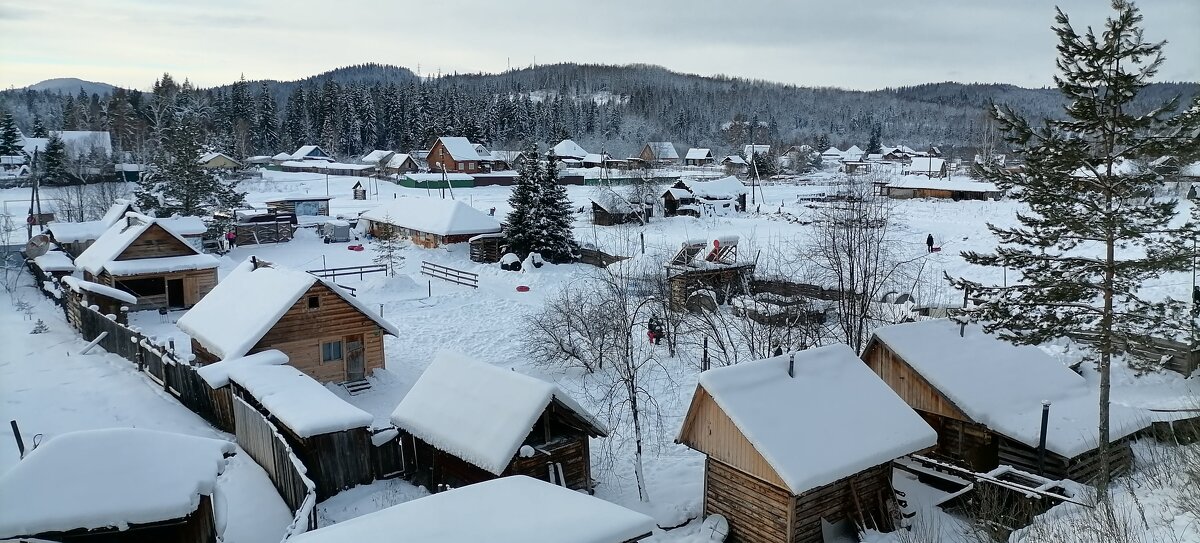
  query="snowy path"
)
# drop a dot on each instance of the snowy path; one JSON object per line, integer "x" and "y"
{"x": 50, "y": 389}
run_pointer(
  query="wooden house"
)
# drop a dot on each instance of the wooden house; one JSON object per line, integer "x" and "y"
{"x": 429, "y": 222}
{"x": 54, "y": 264}
{"x": 377, "y": 157}
{"x": 927, "y": 166}
{"x": 698, "y": 156}
{"x": 832, "y": 154}
{"x": 213, "y": 160}
{"x": 301, "y": 206}
{"x": 115, "y": 484}
{"x": 723, "y": 196}
{"x": 467, "y": 422}
{"x": 659, "y": 153}
{"x": 507, "y": 510}
{"x": 455, "y": 154}
{"x": 609, "y": 209}
{"x": 309, "y": 152}
{"x": 570, "y": 150}
{"x": 399, "y": 163}
{"x": 145, "y": 257}
{"x": 984, "y": 397}
{"x": 800, "y": 446}
{"x": 75, "y": 237}
{"x": 914, "y": 186}
{"x": 325, "y": 332}
{"x": 734, "y": 164}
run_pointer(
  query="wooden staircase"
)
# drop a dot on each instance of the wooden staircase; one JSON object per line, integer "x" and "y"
{"x": 357, "y": 386}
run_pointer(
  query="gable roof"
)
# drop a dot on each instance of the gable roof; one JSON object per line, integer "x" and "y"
{"x": 302, "y": 404}
{"x": 756, "y": 148}
{"x": 811, "y": 428}
{"x": 926, "y": 164}
{"x": 213, "y": 155}
{"x": 232, "y": 318}
{"x": 698, "y": 153}
{"x": 103, "y": 253}
{"x": 663, "y": 150}
{"x": 569, "y": 149}
{"x": 433, "y": 215}
{"x": 496, "y": 511}
{"x": 479, "y": 412}
{"x": 460, "y": 148}
{"x": 77, "y": 143}
{"x": 717, "y": 189}
{"x": 1002, "y": 386}
{"x": 312, "y": 151}
{"x": 832, "y": 151}
{"x": 398, "y": 160}
{"x": 734, "y": 159}
{"x": 375, "y": 156}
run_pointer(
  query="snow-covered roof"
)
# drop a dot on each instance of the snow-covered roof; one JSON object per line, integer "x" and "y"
{"x": 217, "y": 373}
{"x": 375, "y": 156}
{"x": 752, "y": 149}
{"x": 397, "y": 160}
{"x": 854, "y": 151}
{"x": 516, "y": 509}
{"x": 213, "y": 155}
{"x": 184, "y": 226}
{"x": 925, "y": 164}
{"x": 811, "y": 428}
{"x": 325, "y": 165}
{"x": 102, "y": 254}
{"x": 569, "y": 149}
{"x": 55, "y": 261}
{"x": 724, "y": 188}
{"x": 448, "y": 176}
{"x": 698, "y": 153}
{"x": 1002, "y": 386}
{"x": 663, "y": 150}
{"x": 298, "y": 401}
{"x": 109, "y": 478}
{"x": 922, "y": 182}
{"x": 282, "y": 156}
{"x": 1191, "y": 170}
{"x": 309, "y": 150}
{"x": 79, "y": 285}
{"x": 77, "y": 143}
{"x": 73, "y": 232}
{"x": 434, "y": 216}
{"x": 478, "y": 412}
{"x": 232, "y": 318}
{"x": 832, "y": 151}
{"x": 594, "y": 158}
{"x": 734, "y": 159}
{"x": 461, "y": 148}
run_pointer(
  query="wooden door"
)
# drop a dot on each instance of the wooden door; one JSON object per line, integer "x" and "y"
{"x": 356, "y": 358}
{"x": 175, "y": 291}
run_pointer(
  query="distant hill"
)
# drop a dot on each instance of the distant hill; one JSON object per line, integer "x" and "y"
{"x": 71, "y": 85}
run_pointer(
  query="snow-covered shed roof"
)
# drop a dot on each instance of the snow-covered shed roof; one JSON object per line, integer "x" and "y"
{"x": 213, "y": 155}
{"x": 54, "y": 261}
{"x": 516, "y": 509}
{"x": 397, "y": 160}
{"x": 1002, "y": 386}
{"x": 298, "y": 401}
{"x": 854, "y": 151}
{"x": 434, "y": 216}
{"x": 479, "y": 412}
{"x": 663, "y": 150}
{"x": 375, "y": 156}
{"x": 282, "y": 156}
{"x": 77, "y": 143}
{"x": 734, "y": 159}
{"x": 109, "y": 478}
{"x": 718, "y": 189}
{"x": 569, "y": 149}
{"x": 753, "y": 148}
{"x": 73, "y": 232}
{"x": 926, "y": 164}
{"x": 923, "y": 182}
{"x": 217, "y": 373}
{"x": 832, "y": 151}
{"x": 447, "y": 176}
{"x": 698, "y": 153}
{"x": 102, "y": 254}
{"x": 460, "y": 148}
{"x": 246, "y": 304}
{"x": 79, "y": 285}
{"x": 595, "y": 158}
{"x": 184, "y": 226}
{"x": 313, "y": 151}
{"x": 811, "y": 427}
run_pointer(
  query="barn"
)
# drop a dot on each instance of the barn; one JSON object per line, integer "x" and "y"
{"x": 507, "y": 510}
{"x": 325, "y": 332}
{"x": 469, "y": 422}
{"x": 659, "y": 153}
{"x": 429, "y": 222}
{"x": 984, "y": 397}
{"x": 916, "y": 186}
{"x": 723, "y": 196}
{"x": 115, "y": 484}
{"x": 146, "y": 257}
{"x": 800, "y": 445}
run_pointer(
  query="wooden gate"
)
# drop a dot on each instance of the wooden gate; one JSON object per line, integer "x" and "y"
{"x": 438, "y": 271}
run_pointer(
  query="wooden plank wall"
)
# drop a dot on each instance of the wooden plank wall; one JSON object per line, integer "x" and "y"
{"x": 155, "y": 242}
{"x": 709, "y": 430}
{"x": 1083, "y": 468}
{"x": 757, "y": 511}
{"x": 337, "y": 461}
{"x": 868, "y": 491}
{"x": 260, "y": 439}
{"x": 916, "y": 391}
{"x": 574, "y": 455}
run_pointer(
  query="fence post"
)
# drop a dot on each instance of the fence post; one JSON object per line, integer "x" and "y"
{"x": 430, "y": 294}
{"x": 141, "y": 356}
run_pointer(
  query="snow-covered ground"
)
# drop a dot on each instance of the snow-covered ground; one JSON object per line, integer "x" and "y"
{"x": 486, "y": 324}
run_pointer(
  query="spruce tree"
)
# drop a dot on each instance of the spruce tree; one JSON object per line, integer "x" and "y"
{"x": 179, "y": 184}
{"x": 522, "y": 227}
{"x": 266, "y": 132}
{"x": 53, "y": 167}
{"x": 39, "y": 128}
{"x": 1093, "y": 233}
{"x": 874, "y": 145}
{"x": 10, "y": 136}
{"x": 553, "y": 217}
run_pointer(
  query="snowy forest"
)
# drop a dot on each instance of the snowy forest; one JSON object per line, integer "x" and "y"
{"x": 352, "y": 110}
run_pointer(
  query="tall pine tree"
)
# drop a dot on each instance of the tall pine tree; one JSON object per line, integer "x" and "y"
{"x": 553, "y": 217}
{"x": 522, "y": 226}
{"x": 1094, "y": 233}
{"x": 178, "y": 185}
{"x": 10, "y": 136}
{"x": 53, "y": 162}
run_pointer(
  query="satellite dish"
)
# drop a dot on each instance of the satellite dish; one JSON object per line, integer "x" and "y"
{"x": 37, "y": 246}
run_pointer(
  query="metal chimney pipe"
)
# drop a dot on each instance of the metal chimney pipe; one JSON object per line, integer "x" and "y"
{"x": 792, "y": 365}
{"x": 1041, "y": 450}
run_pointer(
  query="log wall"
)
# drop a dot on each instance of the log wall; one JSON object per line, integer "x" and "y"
{"x": 861, "y": 500}
{"x": 758, "y": 512}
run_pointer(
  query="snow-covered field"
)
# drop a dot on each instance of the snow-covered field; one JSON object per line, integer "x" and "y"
{"x": 50, "y": 389}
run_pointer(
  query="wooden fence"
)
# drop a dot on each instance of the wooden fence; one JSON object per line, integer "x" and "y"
{"x": 263, "y": 442}
{"x": 330, "y": 273}
{"x": 598, "y": 258}
{"x": 1178, "y": 356}
{"x": 264, "y": 232}
{"x": 452, "y": 275}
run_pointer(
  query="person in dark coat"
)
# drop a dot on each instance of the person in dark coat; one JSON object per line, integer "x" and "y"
{"x": 929, "y": 242}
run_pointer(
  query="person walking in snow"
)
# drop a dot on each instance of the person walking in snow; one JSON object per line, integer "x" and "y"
{"x": 929, "y": 242}
{"x": 231, "y": 238}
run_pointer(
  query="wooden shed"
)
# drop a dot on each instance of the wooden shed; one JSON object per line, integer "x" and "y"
{"x": 325, "y": 332}
{"x": 429, "y": 222}
{"x": 145, "y": 257}
{"x": 698, "y": 156}
{"x": 329, "y": 436}
{"x": 609, "y": 209}
{"x": 911, "y": 186}
{"x": 984, "y": 397}
{"x": 800, "y": 446}
{"x": 108, "y": 300}
{"x": 466, "y": 422}
{"x": 218, "y": 161}
{"x": 659, "y": 153}
{"x": 506, "y": 510}
{"x": 115, "y": 485}
{"x": 301, "y": 205}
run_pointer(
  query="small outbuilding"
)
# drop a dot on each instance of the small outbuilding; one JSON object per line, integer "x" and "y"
{"x": 984, "y": 397}
{"x": 610, "y": 209}
{"x": 429, "y": 222}
{"x": 800, "y": 445}
{"x": 468, "y": 422}
{"x": 108, "y": 300}
{"x": 698, "y": 156}
{"x": 213, "y": 160}
{"x": 301, "y": 206}
{"x": 507, "y": 510}
{"x": 325, "y": 332}
{"x": 659, "y": 153}
{"x": 918, "y": 186}
{"x": 115, "y": 484}
{"x": 724, "y": 196}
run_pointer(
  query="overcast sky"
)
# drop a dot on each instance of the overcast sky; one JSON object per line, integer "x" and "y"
{"x": 862, "y": 44}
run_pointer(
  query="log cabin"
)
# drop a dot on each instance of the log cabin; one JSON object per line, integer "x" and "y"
{"x": 429, "y": 222}
{"x": 698, "y": 156}
{"x": 115, "y": 485}
{"x": 75, "y": 237}
{"x": 800, "y": 445}
{"x": 467, "y": 422}
{"x": 659, "y": 153}
{"x": 506, "y": 510}
{"x": 723, "y": 196}
{"x": 146, "y": 257}
{"x": 325, "y": 332}
{"x": 984, "y": 397}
